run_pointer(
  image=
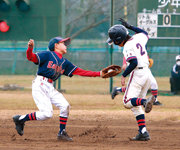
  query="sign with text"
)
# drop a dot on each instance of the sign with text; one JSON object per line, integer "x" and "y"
{"x": 161, "y": 19}
{"x": 148, "y": 22}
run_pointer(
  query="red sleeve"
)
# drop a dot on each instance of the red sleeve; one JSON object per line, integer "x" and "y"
{"x": 86, "y": 73}
{"x": 124, "y": 60}
{"x": 31, "y": 56}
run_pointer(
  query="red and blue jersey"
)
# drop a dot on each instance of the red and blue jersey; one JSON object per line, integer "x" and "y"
{"x": 52, "y": 66}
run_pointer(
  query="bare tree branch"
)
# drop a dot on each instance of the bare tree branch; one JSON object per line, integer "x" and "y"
{"x": 90, "y": 14}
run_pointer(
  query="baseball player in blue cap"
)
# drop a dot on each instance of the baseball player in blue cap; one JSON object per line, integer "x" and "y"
{"x": 140, "y": 75}
{"x": 51, "y": 65}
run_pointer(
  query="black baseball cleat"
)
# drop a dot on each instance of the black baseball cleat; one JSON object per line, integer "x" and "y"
{"x": 149, "y": 103}
{"x": 157, "y": 103}
{"x": 64, "y": 137}
{"x": 19, "y": 125}
{"x": 142, "y": 137}
{"x": 114, "y": 92}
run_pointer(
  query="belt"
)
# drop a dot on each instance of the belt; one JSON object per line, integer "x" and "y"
{"x": 140, "y": 67}
{"x": 48, "y": 80}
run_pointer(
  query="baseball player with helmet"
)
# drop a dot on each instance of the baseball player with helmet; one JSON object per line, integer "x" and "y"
{"x": 140, "y": 75}
{"x": 154, "y": 85}
{"x": 51, "y": 65}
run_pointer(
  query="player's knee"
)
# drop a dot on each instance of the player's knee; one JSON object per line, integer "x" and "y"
{"x": 48, "y": 114}
{"x": 128, "y": 105}
{"x": 65, "y": 110}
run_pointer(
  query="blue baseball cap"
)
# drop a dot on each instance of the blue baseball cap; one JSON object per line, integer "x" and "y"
{"x": 58, "y": 39}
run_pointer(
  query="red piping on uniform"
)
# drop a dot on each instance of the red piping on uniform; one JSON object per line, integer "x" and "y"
{"x": 127, "y": 88}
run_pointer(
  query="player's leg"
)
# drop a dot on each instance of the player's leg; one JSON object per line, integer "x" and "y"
{"x": 59, "y": 101}
{"x": 42, "y": 100}
{"x": 116, "y": 91}
{"x": 133, "y": 98}
{"x": 154, "y": 89}
{"x": 173, "y": 86}
{"x": 135, "y": 86}
{"x": 143, "y": 134}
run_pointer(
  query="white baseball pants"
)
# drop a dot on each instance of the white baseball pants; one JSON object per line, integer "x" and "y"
{"x": 44, "y": 95}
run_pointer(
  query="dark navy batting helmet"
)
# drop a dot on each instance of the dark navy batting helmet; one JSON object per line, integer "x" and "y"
{"x": 58, "y": 40}
{"x": 117, "y": 34}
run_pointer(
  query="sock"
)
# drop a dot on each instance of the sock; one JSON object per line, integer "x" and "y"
{"x": 28, "y": 117}
{"x": 154, "y": 92}
{"x": 137, "y": 101}
{"x": 141, "y": 123}
{"x": 63, "y": 121}
{"x": 123, "y": 89}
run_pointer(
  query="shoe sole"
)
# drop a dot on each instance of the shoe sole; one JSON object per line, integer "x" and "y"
{"x": 142, "y": 139}
{"x": 64, "y": 139}
{"x": 145, "y": 139}
{"x": 149, "y": 105}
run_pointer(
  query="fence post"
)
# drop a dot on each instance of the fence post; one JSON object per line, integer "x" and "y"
{"x": 111, "y": 49}
{"x": 15, "y": 57}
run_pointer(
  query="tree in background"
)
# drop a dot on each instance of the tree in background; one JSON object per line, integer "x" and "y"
{"x": 93, "y": 16}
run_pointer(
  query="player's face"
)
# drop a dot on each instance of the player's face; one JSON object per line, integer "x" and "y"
{"x": 61, "y": 48}
{"x": 122, "y": 44}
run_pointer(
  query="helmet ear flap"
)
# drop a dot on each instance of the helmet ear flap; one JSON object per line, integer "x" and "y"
{"x": 118, "y": 40}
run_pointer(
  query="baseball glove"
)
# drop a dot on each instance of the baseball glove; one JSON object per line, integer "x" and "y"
{"x": 125, "y": 23}
{"x": 110, "y": 71}
{"x": 150, "y": 62}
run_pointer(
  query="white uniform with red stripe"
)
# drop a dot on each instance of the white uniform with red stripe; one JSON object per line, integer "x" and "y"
{"x": 140, "y": 78}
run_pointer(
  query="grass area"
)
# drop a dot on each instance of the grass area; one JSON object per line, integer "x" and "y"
{"x": 85, "y": 93}
{"x": 77, "y": 84}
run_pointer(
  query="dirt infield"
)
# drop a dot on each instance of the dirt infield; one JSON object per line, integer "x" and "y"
{"x": 96, "y": 122}
{"x": 91, "y": 130}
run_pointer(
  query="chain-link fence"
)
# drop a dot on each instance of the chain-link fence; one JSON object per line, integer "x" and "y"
{"x": 89, "y": 57}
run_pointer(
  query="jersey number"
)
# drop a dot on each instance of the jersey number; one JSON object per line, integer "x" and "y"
{"x": 141, "y": 49}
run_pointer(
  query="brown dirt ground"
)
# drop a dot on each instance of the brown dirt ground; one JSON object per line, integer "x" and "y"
{"x": 91, "y": 130}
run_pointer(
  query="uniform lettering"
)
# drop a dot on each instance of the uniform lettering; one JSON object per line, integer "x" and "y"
{"x": 55, "y": 67}
{"x": 49, "y": 64}
{"x": 141, "y": 49}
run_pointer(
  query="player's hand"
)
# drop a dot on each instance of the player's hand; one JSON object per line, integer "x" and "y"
{"x": 123, "y": 79}
{"x": 125, "y": 23}
{"x": 31, "y": 43}
{"x": 124, "y": 66}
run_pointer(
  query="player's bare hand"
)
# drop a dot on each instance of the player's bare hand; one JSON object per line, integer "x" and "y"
{"x": 31, "y": 43}
{"x": 123, "y": 79}
{"x": 124, "y": 66}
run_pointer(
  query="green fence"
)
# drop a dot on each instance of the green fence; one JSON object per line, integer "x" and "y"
{"x": 89, "y": 57}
